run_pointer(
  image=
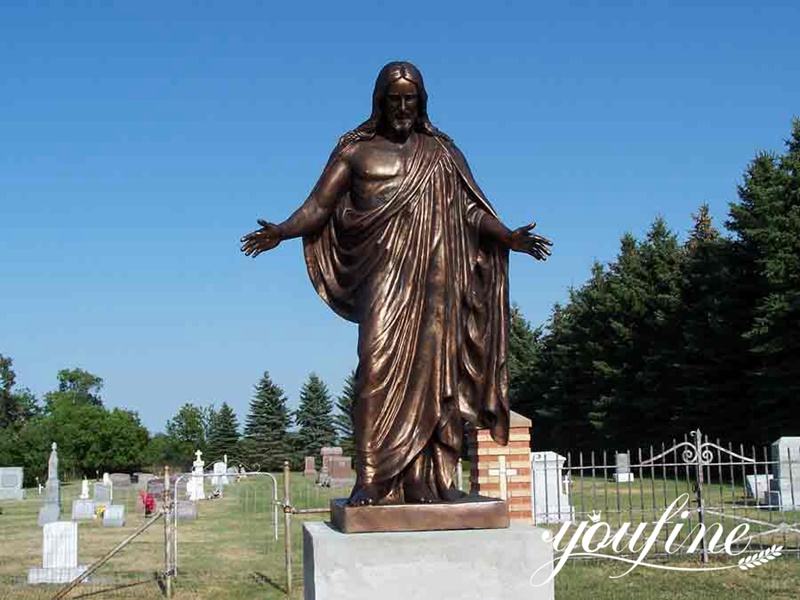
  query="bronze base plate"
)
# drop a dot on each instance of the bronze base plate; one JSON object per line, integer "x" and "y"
{"x": 471, "y": 512}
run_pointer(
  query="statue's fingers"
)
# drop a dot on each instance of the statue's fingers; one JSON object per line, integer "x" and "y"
{"x": 263, "y": 223}
{"x": 530, "y": 226}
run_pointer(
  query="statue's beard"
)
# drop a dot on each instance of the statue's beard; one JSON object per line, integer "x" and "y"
{"x": 402, "y": 125}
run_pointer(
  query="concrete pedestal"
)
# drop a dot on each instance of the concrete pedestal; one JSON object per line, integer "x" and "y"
{"x": 425, "y": 565}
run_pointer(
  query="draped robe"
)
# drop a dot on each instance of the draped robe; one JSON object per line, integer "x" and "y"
{"x": 431, "y": 302}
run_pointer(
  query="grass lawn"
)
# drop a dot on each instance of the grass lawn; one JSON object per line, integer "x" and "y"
{"x": 230, "y": 553}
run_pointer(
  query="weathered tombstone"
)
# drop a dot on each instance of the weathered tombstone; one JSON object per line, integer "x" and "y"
{"x": 142, "y": 479}
{"x": 103, "y": 493}
{"x": 186, "y": 510}
{"x": 550, "y": 498}
{"x": 310, "y": 467}
{"x": 784, "y": 491}
{"x": 757, "y": 486}
{"x": 84, "y": 489}
{"x": 59, "y": 554}
{"x": 11, "y": 483}
{"x": 82, "y": 510}
{"x": 220, "y": 477}
{"x": 156, "y": 488}
{"x": 341, "y": 471}
{"x": 623, "y": 474}
{"x": 114, "y": 516}
{"x": 51, "y": 510}
{"x": 327, "y": 452}
{"x": 195, "y": 489}
{"x": 120, "y": 480}
{"x": 324, "y": 478}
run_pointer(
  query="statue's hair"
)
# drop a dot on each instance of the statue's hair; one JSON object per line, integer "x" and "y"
{"x": 388, "y": 75}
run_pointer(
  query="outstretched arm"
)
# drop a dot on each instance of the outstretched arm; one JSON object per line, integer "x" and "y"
{"x": 307, "y": 219}
{"x": 519, "y": 240}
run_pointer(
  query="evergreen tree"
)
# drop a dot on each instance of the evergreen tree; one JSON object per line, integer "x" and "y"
{"x": 343, "y": 419}
{"x": 523, "y": 354}
{"x": 265, "y": 443}
{"x": 187, "y": 433}
{"x": 223, "y": 434}
{"x": 314, "y": 418}
{"x": 766, "y": 221}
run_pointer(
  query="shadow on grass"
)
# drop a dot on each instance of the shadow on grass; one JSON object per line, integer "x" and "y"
{"x": 123, "y": 586}
{"x": 263, "y": 578}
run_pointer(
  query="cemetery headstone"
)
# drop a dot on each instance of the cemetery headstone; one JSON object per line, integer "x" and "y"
{"x": 11, "y": 483}
{"x": 341, "y": 471}
{"x": 757, "y": 486}
{"x": 220, "y": 477}
{"x": 784, "y": 491}
{"x": 310, "y": 467}
{"x": 84, "y": 489}
{"x": 51, "y": 510}
{"x": 326, "y": 452}
{"x": 186, "y": 510}
{"x": 120, "y": 480}
{"x": 103, "y": 493}
{"x": 195, "y": 490}
{"x": 82, "y": 510}
{"x": 623, "y": 473}
{"x": 550, "y": 495}
{"x": 59, "y": 554}
{"x": 114, "y": 516}
{"x": 106, "y": 479}
{"x": 324, "y": 478}
{"x": 142, "y": 479}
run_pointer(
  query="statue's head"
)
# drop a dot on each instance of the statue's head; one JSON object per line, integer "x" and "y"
{"x": 399, "y": 102}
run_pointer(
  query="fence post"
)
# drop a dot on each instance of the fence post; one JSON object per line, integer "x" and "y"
{"x": 287, "y": 525}
{"x": 698, "y": 448}
{"x": 168, "y": 533}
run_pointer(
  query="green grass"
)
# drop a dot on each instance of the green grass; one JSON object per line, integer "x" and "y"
{"x": 230, "y": 553}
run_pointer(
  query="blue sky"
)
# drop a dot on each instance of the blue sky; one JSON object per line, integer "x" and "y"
{"x": 140, "y": 140}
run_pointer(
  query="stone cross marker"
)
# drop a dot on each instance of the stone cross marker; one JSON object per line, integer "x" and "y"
{"x": 503, "y": 473}
{"x": 196, "y": 487}
{"x": 59, "y": 554}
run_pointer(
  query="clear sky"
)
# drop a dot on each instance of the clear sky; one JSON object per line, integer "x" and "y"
{"x": 140, "y": 140}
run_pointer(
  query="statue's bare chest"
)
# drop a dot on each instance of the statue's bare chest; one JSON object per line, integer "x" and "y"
{"x": 378, "y": 169}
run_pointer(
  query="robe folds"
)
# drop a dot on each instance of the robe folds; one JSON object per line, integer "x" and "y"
{"x": 431, "y": 302}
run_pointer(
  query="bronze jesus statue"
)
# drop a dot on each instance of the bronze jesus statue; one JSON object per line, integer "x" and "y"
{"x": 399, "y": 239}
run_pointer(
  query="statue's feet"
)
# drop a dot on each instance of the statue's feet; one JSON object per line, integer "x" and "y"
{"x": 368, "y": 495}
{"x": 453, "y": 495}
{"x": 419, "y": 494}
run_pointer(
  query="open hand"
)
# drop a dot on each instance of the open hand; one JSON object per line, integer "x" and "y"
{"x": 522, "y": 240}
{"x": 262, "y": 239}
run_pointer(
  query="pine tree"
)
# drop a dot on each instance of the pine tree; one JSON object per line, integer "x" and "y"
{"x": 523, "y": 353}
{"x": 223, "y": 434}
{"x": 343, "y": 419}
{"x": 265, "y": 439}
{"x": 314, "y": 418}
{"x": 766, "y": 221}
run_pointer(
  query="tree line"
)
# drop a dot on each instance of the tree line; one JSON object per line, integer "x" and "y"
{"x": 93, "y": 439}
{"x": 671, "y": 336}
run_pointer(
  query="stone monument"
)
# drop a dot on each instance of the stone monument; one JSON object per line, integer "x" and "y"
{"x": 59, "y": 554}
{"x": 784, "y": 491}
{"x": 622, "y": 472}
{"x": 310, "y": 467}
{"x": 550, "y": 493}
{"x": 195, "y": 489}
{"x": 51, "y": 510}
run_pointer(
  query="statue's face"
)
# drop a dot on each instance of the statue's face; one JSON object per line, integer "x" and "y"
{"x": 401, "y": 106}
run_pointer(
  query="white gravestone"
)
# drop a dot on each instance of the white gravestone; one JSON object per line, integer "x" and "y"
{"x": 51, "y": 510}
{"x": 220, "y": 477}
{"x": 550, "y": 494}
{"x": 59, "y": 554}
{"x": 82, "y": 510}
{"x": 114, "y": 516}
{"x": 195, "y": 489}
{"x": 623, "y": 474}
{"x": 11, "y": 483}
{"x": 106, "y": 479}
{"x": 84, "y": 489}
{"x": 784, "y": 491}
{"x": 103, "y": 493}
{"x": 757, "y": 486}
